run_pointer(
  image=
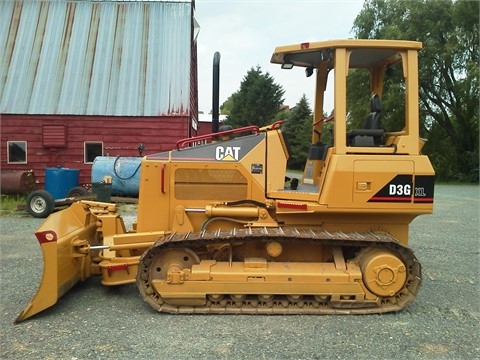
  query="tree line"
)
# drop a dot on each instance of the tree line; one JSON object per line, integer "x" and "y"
{"x": 449, "y": 85}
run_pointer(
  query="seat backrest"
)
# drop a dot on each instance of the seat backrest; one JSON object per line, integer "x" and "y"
{"x": 372, "y": 121}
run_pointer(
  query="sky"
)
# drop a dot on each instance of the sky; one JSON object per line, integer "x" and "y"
{"x": 246, "y": 32}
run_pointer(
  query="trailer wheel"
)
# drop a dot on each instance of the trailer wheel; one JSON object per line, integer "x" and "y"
{"x": 40, "y": 204}
{"x": 76, "y": 192}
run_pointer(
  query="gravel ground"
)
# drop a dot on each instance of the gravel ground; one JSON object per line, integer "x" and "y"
{"x": 93, "y": 321}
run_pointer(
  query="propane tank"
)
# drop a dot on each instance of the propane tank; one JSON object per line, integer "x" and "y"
{"x": 124, "y": 170}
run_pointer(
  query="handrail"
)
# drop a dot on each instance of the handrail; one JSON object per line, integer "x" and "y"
{"x": 183, "y": 142}
{"x": 276, "y": 124}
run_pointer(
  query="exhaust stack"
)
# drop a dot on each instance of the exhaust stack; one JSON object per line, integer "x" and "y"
{"x": 216, "y": 92}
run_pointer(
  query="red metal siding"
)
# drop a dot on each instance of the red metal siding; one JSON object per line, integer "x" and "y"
{"x": 120, "y": 137}
{"x": 204, "y": 128}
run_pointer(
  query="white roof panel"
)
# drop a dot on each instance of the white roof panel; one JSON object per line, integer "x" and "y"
{"x": 128, "y": 58}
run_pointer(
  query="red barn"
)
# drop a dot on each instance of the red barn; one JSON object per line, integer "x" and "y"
{"x": 205, "y": 123}
{"x": 79, "y": 79}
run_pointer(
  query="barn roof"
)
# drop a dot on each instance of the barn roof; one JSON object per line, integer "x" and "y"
{"x": 129, "y": 58}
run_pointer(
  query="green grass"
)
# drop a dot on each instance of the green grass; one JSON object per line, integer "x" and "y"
{"x": 11, "y": 203}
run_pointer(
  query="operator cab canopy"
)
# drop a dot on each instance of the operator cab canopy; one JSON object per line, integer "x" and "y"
{"x": 364, "y": 53}
{"x": 374, "y": 56}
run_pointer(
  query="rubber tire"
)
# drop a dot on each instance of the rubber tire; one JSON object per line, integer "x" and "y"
{"x": 40, "y": 204}
{"x": 77, "y": 192}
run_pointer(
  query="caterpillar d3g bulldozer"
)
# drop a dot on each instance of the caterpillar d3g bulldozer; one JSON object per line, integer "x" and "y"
{"x": 218, "y": 229}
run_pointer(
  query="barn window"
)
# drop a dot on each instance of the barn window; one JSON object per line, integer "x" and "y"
{"x": 17, "y": 152}
{"x": 92, "y": 150}
{"x": 54, "y": 135}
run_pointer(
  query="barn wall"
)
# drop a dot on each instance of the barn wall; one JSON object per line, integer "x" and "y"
{"x": 120, "y": 136}
{"x": 204, "y": 128}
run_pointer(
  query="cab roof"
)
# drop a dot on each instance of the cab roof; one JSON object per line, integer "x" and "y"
{"x": 366, "y": 53}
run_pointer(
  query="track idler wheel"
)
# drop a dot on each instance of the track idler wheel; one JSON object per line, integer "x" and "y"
{"x": 384, "y": 273}
{"x": 162, "y": 264}
{"x": 168, "y": 262}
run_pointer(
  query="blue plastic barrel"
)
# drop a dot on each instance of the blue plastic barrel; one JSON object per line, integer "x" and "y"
{"x": 59, "y": 181}
{"x": 124, "y": 170}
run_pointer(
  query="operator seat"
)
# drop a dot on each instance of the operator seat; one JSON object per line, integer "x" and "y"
{"x": 372, "y": 133}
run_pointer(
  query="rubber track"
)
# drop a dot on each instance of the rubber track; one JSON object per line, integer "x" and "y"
{"x": 342, "y": 239}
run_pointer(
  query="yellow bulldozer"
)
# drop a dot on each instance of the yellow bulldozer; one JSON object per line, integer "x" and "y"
{"x": 219, "y": 230}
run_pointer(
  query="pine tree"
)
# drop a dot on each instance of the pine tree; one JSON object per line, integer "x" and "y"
{"x": 298, "y": 133}
{"x": 257, "y": 102}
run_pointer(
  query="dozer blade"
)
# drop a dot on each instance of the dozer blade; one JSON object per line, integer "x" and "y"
{"x": 64, "y": 239}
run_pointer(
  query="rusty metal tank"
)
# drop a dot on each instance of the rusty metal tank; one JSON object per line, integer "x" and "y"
{"x": 18, "y": 182}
